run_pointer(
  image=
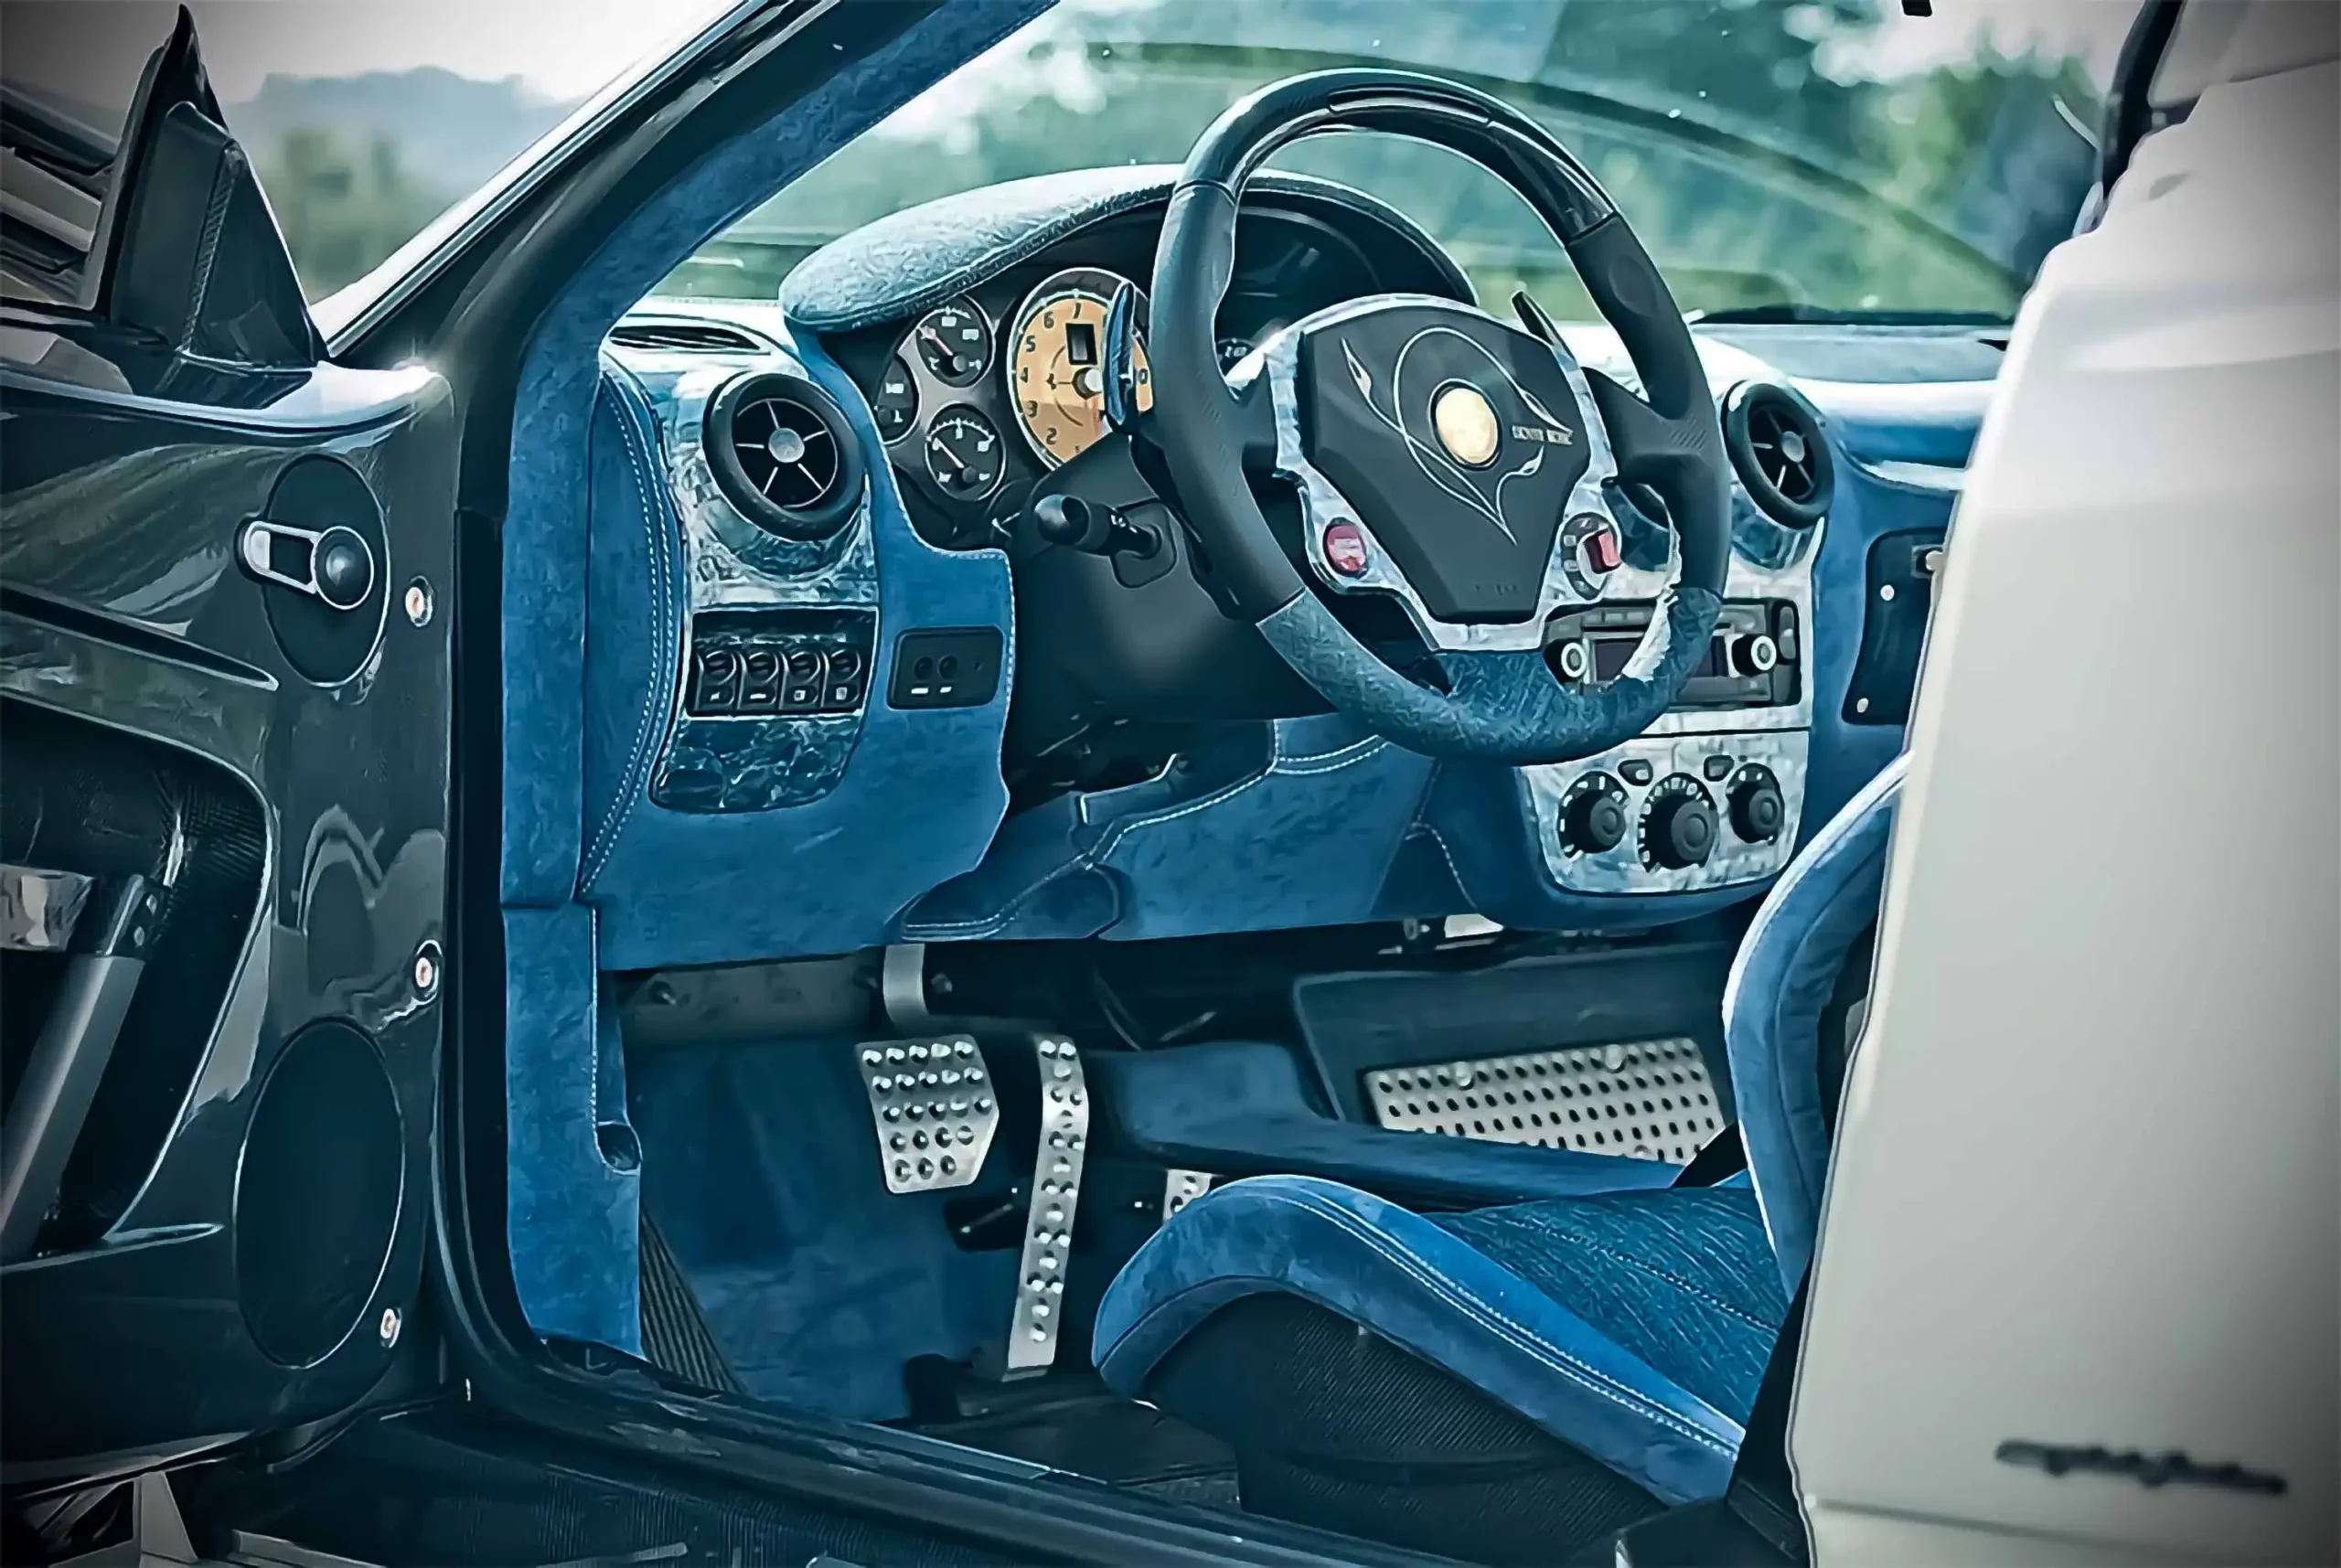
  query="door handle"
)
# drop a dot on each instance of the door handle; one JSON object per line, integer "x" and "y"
{"x": 334, "y": 566}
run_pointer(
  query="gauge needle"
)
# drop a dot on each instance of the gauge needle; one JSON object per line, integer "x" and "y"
{"x": 957, "y": 461}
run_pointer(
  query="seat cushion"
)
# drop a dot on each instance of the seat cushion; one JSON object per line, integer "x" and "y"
{"x": 1633, "y": 1327}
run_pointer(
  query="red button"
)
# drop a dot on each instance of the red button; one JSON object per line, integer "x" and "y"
{"x": 1601, "y": 551}
{"x": 1345, "y": 549}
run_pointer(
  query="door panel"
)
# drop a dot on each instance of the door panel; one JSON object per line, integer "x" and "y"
{"x": 225, "y": 573}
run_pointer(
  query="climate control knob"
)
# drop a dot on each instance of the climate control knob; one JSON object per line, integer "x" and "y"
{"x": 1758, "y": 808}
{"x": 1678, "y": 823}
{"x": 1593, "y": 814}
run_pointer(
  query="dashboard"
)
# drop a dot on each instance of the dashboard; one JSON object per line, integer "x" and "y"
{"x": 840, "y": 693}
{"x": 978, "y": 398}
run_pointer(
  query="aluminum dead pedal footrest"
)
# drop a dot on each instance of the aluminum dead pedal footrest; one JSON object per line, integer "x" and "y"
{"x": 934, "y": 1105}
{"x": 1645, "y": 1099}
{"x": 1056, "y": 1192}
{"x": 1181, "y": 1188}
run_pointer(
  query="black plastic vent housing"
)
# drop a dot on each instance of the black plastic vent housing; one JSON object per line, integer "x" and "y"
{"x": 784, "y": 455}
{"x": 686, "y": 338}
{"x": 1779, "y": 451}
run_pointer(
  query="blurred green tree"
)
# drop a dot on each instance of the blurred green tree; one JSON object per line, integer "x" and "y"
{"x": 343, "y": 206}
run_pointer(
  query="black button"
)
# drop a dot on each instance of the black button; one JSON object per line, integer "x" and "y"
{"x": 1716, "y": 767}
{"x": 801, "y": 692}
{"x": 759, "y": 692}
{"x": 1635, "y": 770}
{"x": 715, "y": 683}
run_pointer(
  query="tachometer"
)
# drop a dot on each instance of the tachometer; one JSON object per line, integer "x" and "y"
{"x": 1056, "y": 363}
{"x": 963, "y": 456}
{"x": 954, "y": 343}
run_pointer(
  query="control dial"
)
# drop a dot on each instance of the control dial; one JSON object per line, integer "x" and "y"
{"x": 1757, "y": 808}
{"x": 1593, "y": 814}
{"x": 1678, "y": 823}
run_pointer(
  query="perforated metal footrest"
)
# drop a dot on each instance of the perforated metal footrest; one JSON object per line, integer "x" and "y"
{"x": 1645, "y": 1099}
{"x": 934, "y": 1105}
{"x": 1056, "y": 1194}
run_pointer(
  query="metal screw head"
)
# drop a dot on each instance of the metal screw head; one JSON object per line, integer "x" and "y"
{"x": 426, "y": 970}
{"x": 419, "y": 603}
{"x": 391, "y": 1326}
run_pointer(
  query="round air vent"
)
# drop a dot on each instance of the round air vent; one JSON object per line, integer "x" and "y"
{"x": 1781, "y": 456}
{"x": 783, "y": 454}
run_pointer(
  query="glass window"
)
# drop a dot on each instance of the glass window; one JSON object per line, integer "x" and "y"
{"x": 364, "y": 121}
{"x": 1821, "y": 155}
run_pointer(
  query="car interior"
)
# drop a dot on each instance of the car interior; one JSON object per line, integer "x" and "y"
{"x": 1200, "y": 806}
{"x": 1194, "y": 850}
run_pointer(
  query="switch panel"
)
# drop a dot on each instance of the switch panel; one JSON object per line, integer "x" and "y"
{"x": 767, "y": 664}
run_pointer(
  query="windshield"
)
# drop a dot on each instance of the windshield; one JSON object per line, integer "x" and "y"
{"x": 1825, "y": 158}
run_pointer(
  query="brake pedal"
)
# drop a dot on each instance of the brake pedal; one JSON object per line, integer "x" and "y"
{"x": 1056, "y": 1192}
{"x": 1645, "y": 1099}
{"x": 1181, "y": 1188}
{"x": 936, "y": 1108}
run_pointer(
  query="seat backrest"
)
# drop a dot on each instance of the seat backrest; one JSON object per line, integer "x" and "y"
{"x": 1776, "y": 1006}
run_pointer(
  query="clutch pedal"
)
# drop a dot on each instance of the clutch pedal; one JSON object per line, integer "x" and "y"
{"x": 1645, "y": 1099}
{"x": 936, "y": 1108}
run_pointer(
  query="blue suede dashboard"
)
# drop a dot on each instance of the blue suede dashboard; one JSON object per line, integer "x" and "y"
{"x": 796, "y": 835}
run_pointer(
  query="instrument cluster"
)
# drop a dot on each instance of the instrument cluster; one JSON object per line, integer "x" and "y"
{"x": 980, "y": 396}
{"x": 976, "y": 394}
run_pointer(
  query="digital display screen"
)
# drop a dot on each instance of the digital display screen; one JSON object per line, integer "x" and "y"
{"x": 1081, "y": 343}
{"x": 1611, "y": 653}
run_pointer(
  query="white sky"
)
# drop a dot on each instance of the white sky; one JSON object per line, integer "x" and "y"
{"x": 562, "y": 48}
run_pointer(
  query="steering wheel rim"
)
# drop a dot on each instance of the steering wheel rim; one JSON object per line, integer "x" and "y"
{"x": 1501, "y": 704}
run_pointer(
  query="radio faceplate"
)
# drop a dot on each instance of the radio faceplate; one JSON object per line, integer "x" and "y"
{"x": 1755, "y": 658}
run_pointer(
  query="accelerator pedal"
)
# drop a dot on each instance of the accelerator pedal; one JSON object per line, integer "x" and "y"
{"x": 936, "y": 1108}
{"x": 1644, "y": 1099}
{"x": 1031, "y": 1346}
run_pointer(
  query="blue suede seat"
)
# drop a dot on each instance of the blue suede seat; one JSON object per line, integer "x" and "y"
{"x": 1624, "y": 1332}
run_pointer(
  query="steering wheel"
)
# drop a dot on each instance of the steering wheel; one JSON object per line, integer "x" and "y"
{"x": 1443, "y": 457}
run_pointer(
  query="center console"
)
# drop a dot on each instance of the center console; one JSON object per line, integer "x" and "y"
{"x": 1713, "y": 794}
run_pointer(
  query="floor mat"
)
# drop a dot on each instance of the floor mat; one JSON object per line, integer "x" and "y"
{"x": 760, "y": 1169}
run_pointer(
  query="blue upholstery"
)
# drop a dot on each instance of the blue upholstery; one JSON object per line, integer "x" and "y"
{"x": 1633, "y": 1325}
{"x": 1773, "y": 1005}
{"x": 1319, "y": 806}
{"x": 700, "y": 894}
{"x": 1237, "y": 1108}
{"x": 1551, "y": 1358}
{"x": 908, "y": 261}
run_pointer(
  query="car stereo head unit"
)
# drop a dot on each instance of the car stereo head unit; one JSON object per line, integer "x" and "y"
{"x": 1752, "y": 660}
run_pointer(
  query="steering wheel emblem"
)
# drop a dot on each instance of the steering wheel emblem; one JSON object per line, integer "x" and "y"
{"x": 1466, "y": 424}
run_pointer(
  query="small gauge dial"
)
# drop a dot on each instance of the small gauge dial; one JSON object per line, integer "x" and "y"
{"x": 895, "y": 405}
{"x": 1056, "y": 370}
{"x": 1231, "y": 352}
{"x": 964, "y": 454}
{"x": 953, "y": 344}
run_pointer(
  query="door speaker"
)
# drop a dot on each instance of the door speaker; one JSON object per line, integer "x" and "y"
{"x": 317, "y": 1194}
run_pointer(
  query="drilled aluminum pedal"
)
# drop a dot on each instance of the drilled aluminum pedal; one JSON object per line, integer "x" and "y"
{"x": 932, "y": 1101}
{"x": 1056, "y": 1194}
{"x": 1645, "y": 1099}
{"x": 1181, "y": 1188}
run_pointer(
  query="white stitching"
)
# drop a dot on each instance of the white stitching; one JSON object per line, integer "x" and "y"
{"x": 1090, "y": 859}
{"x": 606, "y": 836}
{"x": 1536, "y": 1346}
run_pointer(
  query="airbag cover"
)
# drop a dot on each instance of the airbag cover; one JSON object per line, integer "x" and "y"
{"x": 1458, "y": 440}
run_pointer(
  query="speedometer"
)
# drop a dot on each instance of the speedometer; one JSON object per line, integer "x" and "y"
{"x": 1056, "y": 370}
